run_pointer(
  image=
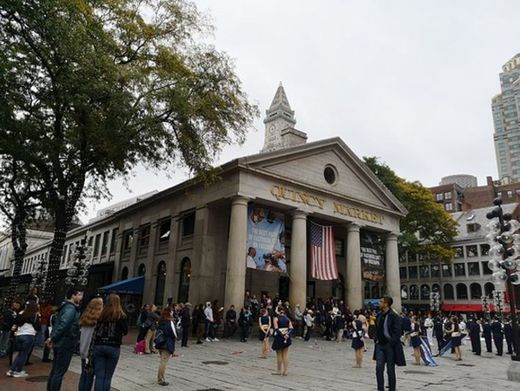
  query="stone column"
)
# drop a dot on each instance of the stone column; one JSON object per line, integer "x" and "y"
{"x": 172, "y": 286}
{"x": 393, "y": 282}
{"x": 236, "y": 254}
{"x": 354, "y": 291}
{"x": 298, "y": 264}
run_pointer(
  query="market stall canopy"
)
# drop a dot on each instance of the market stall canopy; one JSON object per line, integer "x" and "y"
{"x": 131, "y": 286}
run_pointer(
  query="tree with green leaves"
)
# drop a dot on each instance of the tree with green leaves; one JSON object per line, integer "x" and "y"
{"x": 91, "y": 88}
{"x": 427, "y": 229}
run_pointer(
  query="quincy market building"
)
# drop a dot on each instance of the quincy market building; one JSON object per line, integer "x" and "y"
{"x": 190, "y": 242}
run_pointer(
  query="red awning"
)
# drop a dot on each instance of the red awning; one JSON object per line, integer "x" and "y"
{"x": 461, "y": 307}
{"x": 464, "y": 307}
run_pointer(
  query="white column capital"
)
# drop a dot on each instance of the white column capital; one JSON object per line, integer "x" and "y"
{"x": 240, "y": 200}
{"x": 392, "y": 236}
{"x": 299, "y": 214}
{"x": 353, "y": 227}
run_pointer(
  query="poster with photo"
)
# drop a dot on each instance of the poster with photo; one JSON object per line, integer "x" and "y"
{"x": 372, "y": 264}
{"x": 265, "y": 239}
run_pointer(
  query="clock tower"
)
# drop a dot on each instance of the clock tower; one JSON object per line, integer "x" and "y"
{"x": 279, "y": 124}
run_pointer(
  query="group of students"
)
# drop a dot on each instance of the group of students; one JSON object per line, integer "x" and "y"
{"x": 97, "y": 333}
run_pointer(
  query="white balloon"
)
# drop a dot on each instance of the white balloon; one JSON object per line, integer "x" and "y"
{"x": 494, "y": 265}
{"x": 499, "y": 276}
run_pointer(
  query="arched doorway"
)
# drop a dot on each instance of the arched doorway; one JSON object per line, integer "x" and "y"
{"x": 184, "y": 283}
{"x": 124, "y": 273}
{"x": 161, "y": 280}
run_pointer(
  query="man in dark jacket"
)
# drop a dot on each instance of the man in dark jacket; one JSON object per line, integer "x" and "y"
{"x": 6, "y": 323}
{"x": 185, "y": 323}
{"x": 388, "y": 348}
{"x": 230, "y": 326}
{"x": 486, "y": 331}
{"x": 498, "y": 336}
{"x": 508, "y": 333}
{"x": 474, "y": 334}
{"x": 64, "y": 338}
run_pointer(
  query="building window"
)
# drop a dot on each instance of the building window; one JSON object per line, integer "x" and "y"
{"x": 475, "y": 291}
{"x": 96, "y": 245}
{"x": 435, "y": 271}
{"x": 114, "y": 240}
{"x": 124, "y": 273}
{"x": 447, "y": 196}
{"x": 144, "y": 236}
{"x": 459, "y": 252}
{"x": 439, "y": 197}
{"x": 412, "y": 272}
{"x": 485, "y": 268}
{"x": 188, "y": 224}
{"x": 471, "y": 251}
{"x": 446, "y": 270}
{"x": 499, "y": 194}
{"x": 488, "y": 289}
{"x": 509, "y": 193}
{"x": 462, "y": 292}
{"x": 104, "y": 245}
{"x": 424, "y": 271}
{"x": 330, "y": 174}
{"x": 448, "y": 292}
{"x": 425, "y": 292}
{"x": 164, "y": 230}
{"x": 472, "y": 227}
{"x": 414, "y": 292}
{"x": 460, "y": 269}
{"x": 484, "y": 250}
{"x": 142, "y": 270}
{"x": 473, "y": 269}
{"x": 402, "y": 273}
{"x": 404, "y": 292}
{"x": 128, "y": 238}
{"x": 448, "y": 206}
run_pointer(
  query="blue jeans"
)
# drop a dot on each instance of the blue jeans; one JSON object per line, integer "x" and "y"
{"x": 210, "y": 330}
{"x": 385, "y": 355}
{"x": 86, "y": 379}
{"x": 60, "y": 365}
{"x": 105, "y": 361}
{"x": 23, "y": 344}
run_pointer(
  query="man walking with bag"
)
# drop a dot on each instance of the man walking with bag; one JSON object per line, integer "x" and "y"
{"x": 388, "y": 349}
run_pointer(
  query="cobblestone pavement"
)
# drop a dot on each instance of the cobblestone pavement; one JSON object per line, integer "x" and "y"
{"x": 314, "y": 365}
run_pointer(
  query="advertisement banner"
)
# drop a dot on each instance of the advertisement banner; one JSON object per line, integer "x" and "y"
{"x": 372, "y": 265}
{"x": 265, "y": 239}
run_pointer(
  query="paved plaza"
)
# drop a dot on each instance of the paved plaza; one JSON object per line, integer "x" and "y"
{"x": 314, "y": 365}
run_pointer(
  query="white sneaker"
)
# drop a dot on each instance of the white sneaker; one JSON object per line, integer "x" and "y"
{"x": 20, "y": 374}
{"x": 215, "y": 340}
{"x": 208, "y": 340}
{"x": 9, "y": 373}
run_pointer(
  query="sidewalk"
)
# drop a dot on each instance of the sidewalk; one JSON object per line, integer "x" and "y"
{"x": 38, "y": 372}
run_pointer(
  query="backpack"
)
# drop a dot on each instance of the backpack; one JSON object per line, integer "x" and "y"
{"x": 160, "y": 339}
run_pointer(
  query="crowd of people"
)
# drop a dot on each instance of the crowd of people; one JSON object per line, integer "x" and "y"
{"x": 95, "y": 331}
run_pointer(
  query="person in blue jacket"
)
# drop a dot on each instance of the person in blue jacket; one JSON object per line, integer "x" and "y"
{"x": 64, "y": 337}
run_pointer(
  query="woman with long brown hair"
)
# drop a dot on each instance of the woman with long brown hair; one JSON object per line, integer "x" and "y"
{"x": 108, "y": 335}
{"x": 87, "y": 324}
{"x": 28, "y": 324}
{"x": 165, "y": 342}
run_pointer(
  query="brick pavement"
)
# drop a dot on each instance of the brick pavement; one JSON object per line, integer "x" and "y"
{"x": 316, "y": 365}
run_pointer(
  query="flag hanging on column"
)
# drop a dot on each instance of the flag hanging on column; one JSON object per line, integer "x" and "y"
{"x": 323, "y": 253}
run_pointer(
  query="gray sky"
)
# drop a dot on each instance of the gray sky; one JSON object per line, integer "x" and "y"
{"x": 408, "y": 81}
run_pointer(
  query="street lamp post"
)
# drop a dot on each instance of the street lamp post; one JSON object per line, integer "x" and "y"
{"x": 504, "y": 251}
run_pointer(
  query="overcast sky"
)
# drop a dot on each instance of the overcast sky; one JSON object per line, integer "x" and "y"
{"x": 408, "y": 81}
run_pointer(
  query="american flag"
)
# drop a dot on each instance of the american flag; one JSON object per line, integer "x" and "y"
{"x": 323, "y": 253}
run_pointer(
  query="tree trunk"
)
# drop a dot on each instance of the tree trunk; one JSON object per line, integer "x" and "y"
{"x": 64, "y": 213}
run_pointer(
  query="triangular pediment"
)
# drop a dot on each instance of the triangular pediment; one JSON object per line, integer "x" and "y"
{"x": 306, "y": 165}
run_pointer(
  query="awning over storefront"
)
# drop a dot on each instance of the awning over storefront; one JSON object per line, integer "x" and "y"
{"x": 131, "y": 286}
{"x": 462, "y": 307}
{"x": 472, "y": 308}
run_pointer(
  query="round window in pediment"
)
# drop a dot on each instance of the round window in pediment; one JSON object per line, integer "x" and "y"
{"x": 330, "y": 174}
